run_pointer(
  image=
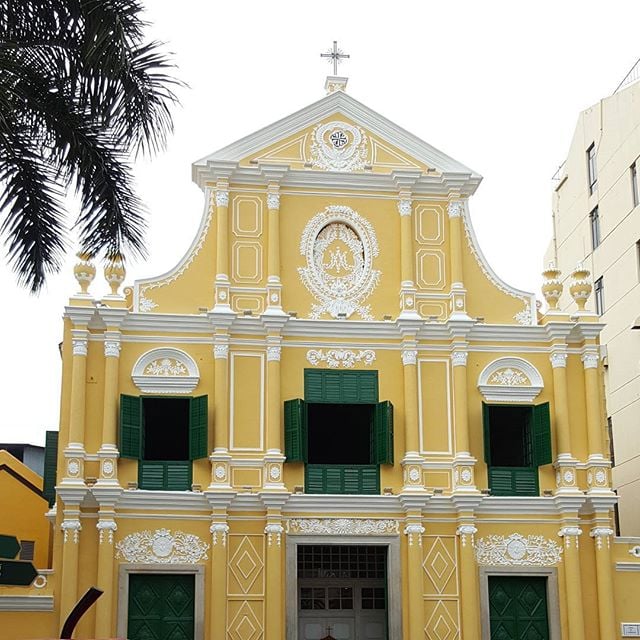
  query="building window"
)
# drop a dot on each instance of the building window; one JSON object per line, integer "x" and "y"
{"x": 638, "y": 258}
{"x": 592, "y": 174}
{"x": 27, "y": 549}
{"x": 164, "y": 435}
{"x": 598, "y": 289}
{"x": 634, "y": 184}
{"x": 612, "y": 453}
{"x": 517, "y": 440}
{"x": 594, "y": 220}
{"x": 340, "y": 431}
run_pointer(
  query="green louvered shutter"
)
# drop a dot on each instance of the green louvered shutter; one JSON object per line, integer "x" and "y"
{"x": 130, "y": 426}
{"x": 340, "y": 387}
{"x": 151, "y": 475}
{"x": 198, "y": 440}
{"x": 178, "y": 475}
{"x": 382, "y": 449}
{"x": 486, "y": 429}
{"x": 313, "y": 379}
{"x": 370, "y": 480}
{"x": 333, "y": 390}
{"x": 367, "y": 386}
{"x": 295, "y": 430}
{"x": 542, "y": 435}
{"x": 50, "y": 466}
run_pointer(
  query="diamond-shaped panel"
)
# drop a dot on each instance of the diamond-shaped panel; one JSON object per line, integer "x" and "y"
{"x": 246, "y": 565}
{"x": 439, "y": 566}
{"x": 529, "y": 600}
{"x": 440, "y": 625}
{"x": 245, "y": 624}
{"x": 532, "y": 633}
{"x": 500, "y": 600}
{"x": 145, "y": 598}
{"x": 178, "y": 599}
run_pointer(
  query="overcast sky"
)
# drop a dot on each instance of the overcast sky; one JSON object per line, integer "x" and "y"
{"x": 497, "y": 85}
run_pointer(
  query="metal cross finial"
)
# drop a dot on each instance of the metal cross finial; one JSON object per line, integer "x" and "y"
{"x": 336, "y": 56}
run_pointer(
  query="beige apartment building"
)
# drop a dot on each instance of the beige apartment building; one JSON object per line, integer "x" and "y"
{"x": 596, "y": 222}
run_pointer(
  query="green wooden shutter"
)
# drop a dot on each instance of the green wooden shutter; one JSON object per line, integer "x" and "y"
{"x": 516, "y": 481}
{"x": 178, "y": 475}
{"x": 340, "y": 387}
{"x": 541, "y": 435}
{"x": 198, "y": 419}
{"x": 151, "y": 475}
{"x": 382, "y": 449}
{"x": 313, "y": 391}
{"x": 295, "y": 430}
{"x": 130, "y": 426}
{"x": 486, "y": 428}
{"x": 50, "y": 466}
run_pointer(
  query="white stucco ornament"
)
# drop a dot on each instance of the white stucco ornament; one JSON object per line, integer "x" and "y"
{"x": 162, "y": 547}
{"x": 342, "y": 526}
{"x": 510, "y": 380}
{"x": 339, "y": 146}
{"x": 165, "y": 370}
{"x": 517, "y": 550}
{"x": 339, "y": 246}
{"x": 345, "y": 358}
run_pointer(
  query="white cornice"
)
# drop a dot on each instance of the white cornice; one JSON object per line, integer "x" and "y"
{"x": 206, "y": 168}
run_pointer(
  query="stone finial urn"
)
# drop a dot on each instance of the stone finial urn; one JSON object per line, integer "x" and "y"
{"x": 114, "y": 273}
{"x": 552, "y": 286}
{"x": 580, "y": 288}
{"x": 84, "y": 271}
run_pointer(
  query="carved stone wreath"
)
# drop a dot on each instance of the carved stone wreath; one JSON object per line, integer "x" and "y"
{"x": 339, "y": 246}
{"x": 517, "y": 550}
{"x": 342, "y": 526}
{"x": 338, "y": 146}
{"x": 162, "y": 547}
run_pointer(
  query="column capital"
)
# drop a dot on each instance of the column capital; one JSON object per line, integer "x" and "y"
{"x": 273, "y": 201}
{"x": 219, "y": 530}
{"x": 558, "y": 359}
{"x": 409, "y": 356}
{"x": 570, "y": 533}
{"x": 455, "y": 208}
{"x": 413, "y": 530}
{"x": 273, "y": 353}
{"x": 222, "y": 196}
{"x": 404, "y": 205}
{"x": 221, "y": 351}
{"x": 112, "y": 348}
{"x": 459, "y": 358}
{"x": 71, "y": 529}
{"x": 590, "y": 359}
{"x": 106, "y": 525}
{"x": 80, "y": 341}
{"x": 274, "y": 531}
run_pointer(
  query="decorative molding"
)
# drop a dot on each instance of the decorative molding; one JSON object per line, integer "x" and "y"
{"x": 80, "y": 347}
{"x": 112, "y": 348}
{"x": 342, "y": 526}
{"x": 71, "y": 527}
{"x": 162, "y": 547}
{"x": 274, "y": 533}
{"x": 109, "y": 526}
{"x": 404, "y": 207}
{"x": 569, "y": 533}
{"x": 459, "y": 358}
{"x": 339, "y": 146}
{"x": 558, "y": 359}
{"x": 516, "y": 550}
{"x": 274, "y": 353}
{"x": 414, "y": 533}
{"x": 219, "y": 529}
{"x": 345, "y": 358}
{"x": 340, "y": 281}
{"x": 465, "y": 530}
{"x": 524, "y": 317}
{"x": 273, "y": 201}
{"x": 26, "y": 603}
{"x": 598, "y": 533}
{"x": 222, "y": 198}
{"x": 409, "y": 356}
{"x": 165, "y": 370}
{"x": 456, "y": 209}
{"x": 510, "y": 380}
{"x": 221, "y": 351}
{"x": 590, "y": 360}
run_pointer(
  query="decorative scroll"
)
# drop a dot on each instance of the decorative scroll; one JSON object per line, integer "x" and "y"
{"x": 342, "y": 526}
{"x": 162, "y": 547}
{"x": 336, "y": 358}
{"x": 517, "y": 550}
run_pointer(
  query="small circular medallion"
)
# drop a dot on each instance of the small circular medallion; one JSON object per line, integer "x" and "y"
{"x": 414, "y": 475}
{"x": 162, "y": 545}
{"x": 516, "y": 549}
{"x": 220, "y": 472}
{"x": 73, "y": 467}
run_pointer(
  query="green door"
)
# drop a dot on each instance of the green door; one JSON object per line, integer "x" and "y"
{"x": 518, "y": 608}
{"x": 161, "y": 607}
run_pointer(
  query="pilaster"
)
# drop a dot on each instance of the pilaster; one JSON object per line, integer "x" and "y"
{"x": 222, "y": 283}
{"x": 414, "y": 530}
{"x": 407, "y": 250}
{"x": 602, "y": 534}
{"x": 469, "y": 584}
{"x": 570, "y": 533}
{"x": 458, "y": 303}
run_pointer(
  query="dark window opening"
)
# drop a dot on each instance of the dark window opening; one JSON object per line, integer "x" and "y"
{"x": 339, "y": 433}
{"x": 166, "y": 428}
{"x": 592, "y": 171}
{"x": 27, "y": 549}
{"x": 594, "y": 219}
{"x": 342, "y": 561}
{"x": 598, "y": 290}
{"x": 510, "y": 436}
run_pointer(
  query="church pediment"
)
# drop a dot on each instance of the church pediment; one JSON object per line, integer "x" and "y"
{"x": 335, "y": 134}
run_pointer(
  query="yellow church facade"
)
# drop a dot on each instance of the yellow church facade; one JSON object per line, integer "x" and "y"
{"x": 332, "y": 419}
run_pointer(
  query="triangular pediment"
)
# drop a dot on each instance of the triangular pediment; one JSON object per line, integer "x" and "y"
{"x": 337, "y": 134}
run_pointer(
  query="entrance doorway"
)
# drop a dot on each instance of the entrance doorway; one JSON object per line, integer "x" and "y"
{"x": 161, "y": 607}
{"x": 518, "y": 607}
{"x": 342, "y": 592}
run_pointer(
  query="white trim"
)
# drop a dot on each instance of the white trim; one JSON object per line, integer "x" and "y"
{"x": 628, "y": 566}
{"x": 26, "y": 603}
{"x": 169, "y": 383}
{"x": 450, "y": 427}
{"x": 232, "y": 386}
{"x": 507, "y": 392}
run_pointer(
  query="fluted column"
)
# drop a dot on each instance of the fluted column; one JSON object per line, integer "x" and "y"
{"x": 71, "y": 528}
{"x": 456, "y": 232}
{"x": 412, "y": 461}
{"x": 275, "y": 601}
{"x": 274, "y": 458}
{"x": 573, "y": 581}
{"x": 109, "y": 449}
{"x": 604, "y": 579}
{"x": 222, "y": 248}
{"x": 414, "y": 531}
{"x": 469, "y": 587}
{"x": 274, "y": 287}
{"x": 74, "y": 452}
{"x": 407, "y": 258}
{"x": 104, "y": 606}
{"x": 464, "y": 463}
{"x": 220, "y": 458}
{"x": 218, "y": 577}
{"x": 565, "y": 464}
